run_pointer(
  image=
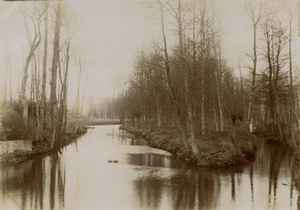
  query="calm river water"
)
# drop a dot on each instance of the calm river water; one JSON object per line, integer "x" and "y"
{"x": 82, "y": 178}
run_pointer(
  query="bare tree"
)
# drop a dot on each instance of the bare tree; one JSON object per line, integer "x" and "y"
{"x": 55, "y": 60}
{"x": 7, "y": 84}
{"x": 166, "y": 55}
{"x": 44, "y": 74}
{"x": 255, "y": 14}
{"x": 36, "y": 19}
{"x": 190, "y": 124}
{"x": 54, "y": 70}
{"x": 275, "y": 40}
{"x": 203, "y": 53}
{"x": 80, "y": 62}
{"x": 292, "y": 122}
{"x": 218, "y": 73}
{"x": 63, "y": 78}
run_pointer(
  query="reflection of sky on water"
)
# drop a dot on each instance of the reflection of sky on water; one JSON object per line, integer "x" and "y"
{"x": 143, "y": 178}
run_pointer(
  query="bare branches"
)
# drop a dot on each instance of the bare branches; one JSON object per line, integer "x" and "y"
{"x": 36, "y": 19}
{"x": 255, "y": 11}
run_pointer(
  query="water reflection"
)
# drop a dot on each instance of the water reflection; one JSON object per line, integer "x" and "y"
{"x": 276, "y": 157}
{"x": 26, "y": 184}
{"x": 186, "y": 190}
{"x": 195, "y": 191}
{"x": 251, "y": 182}
{"x": 232, "y": 186}
{"x": 143, "y": 178}
{"x": 154, "y": 160}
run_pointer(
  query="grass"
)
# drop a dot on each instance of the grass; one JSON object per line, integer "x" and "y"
{"x": 103, "y": 122}
{"x": 216, "y": 149}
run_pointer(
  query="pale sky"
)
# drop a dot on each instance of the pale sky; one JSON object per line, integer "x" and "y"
{"x": 109, "y": 33}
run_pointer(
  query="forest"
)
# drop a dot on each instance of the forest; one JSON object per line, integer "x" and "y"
{"x": 183, "y": 80}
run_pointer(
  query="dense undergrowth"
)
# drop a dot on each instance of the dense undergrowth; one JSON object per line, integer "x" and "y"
{"x": 13, "y": 128}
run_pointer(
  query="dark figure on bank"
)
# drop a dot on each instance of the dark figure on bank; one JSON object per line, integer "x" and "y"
{"x": 240, "y": 118}
{"x": 233, "y": 119}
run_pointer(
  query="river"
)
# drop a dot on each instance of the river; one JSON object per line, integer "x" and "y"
{"x": 84, "y": 178}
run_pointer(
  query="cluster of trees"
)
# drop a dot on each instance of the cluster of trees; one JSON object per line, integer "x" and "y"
{"x": 188, "y": 84}
{"x": 42, "y": 103}
{"x": 274, "y": 97}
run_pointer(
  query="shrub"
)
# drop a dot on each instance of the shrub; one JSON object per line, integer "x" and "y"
{"x": 13, "y": 126}
{"x": 2, "y": 136}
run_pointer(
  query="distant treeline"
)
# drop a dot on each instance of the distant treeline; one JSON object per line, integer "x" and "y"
{"x": 106, "y": 109}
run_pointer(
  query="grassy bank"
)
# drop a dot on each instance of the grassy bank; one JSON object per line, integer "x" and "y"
{"x": 41, "y": 148}
{"x": 214, "y": 150}
{"x": 103, "y": 122}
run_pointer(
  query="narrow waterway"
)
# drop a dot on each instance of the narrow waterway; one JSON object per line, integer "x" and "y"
{"x": 83, "y": 177}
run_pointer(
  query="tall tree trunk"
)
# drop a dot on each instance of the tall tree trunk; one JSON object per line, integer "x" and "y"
{"x": 242, "y": 91}
{"x": 10, "y": 84}
{"x": 158, "y": 110}
{"x": 83, "y": 95}
{"x": 44, "y": 74}
{"x": 255, "y": 17}
{"x": 202, "y": 130}
{"x": 217, "y": 72}
{"x": 5, "y": 85}
{"x": 270, "y": 86}
{"x": 189, "y": 120}
{"x": 253, "y": 83}
{"x": 37, "y": 99}
{"x": 33, "y": 45}
{"x": 77, "y": 105}
{"x": 167, "y": 66}
{"x": 291, "y": 88}
{"x": 202, "y": 100}
{"x": 55, "y": 60}
{"x": 218, "y": 75}
{"x": 291, "y": 66}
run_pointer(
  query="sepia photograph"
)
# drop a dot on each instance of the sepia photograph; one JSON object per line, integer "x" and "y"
{"x": 150, "y": 105}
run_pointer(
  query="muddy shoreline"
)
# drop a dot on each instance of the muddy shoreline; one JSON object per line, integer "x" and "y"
{"x": 216, "y": 150}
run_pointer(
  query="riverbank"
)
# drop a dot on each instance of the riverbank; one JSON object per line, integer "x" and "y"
{"x": 41, "y": 148}
{"x": 103, "y": 122}
{"x": 215, "y": 150}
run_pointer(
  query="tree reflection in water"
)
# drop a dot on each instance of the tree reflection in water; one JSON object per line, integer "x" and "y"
{"x": 27, "y": 184}
{"x": 144, "y": 178}
{"x": 188, "y": 189}
{"x": 251, "y": 182}
{"x": 232, "y": 176}
{"x": 276, "y": 156}
{"x": 200, "y": 189}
